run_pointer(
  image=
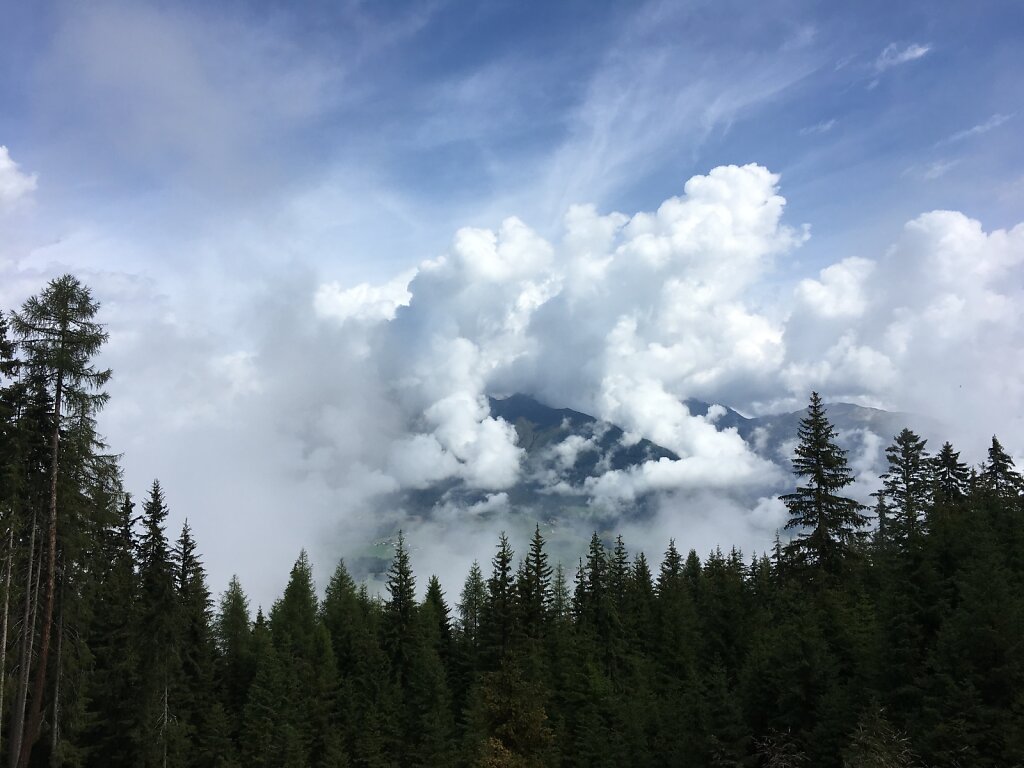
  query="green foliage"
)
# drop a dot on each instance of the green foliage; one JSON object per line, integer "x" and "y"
{"x": 828, "y": 526}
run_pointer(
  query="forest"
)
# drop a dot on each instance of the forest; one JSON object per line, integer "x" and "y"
{"x": 882, "y": 636}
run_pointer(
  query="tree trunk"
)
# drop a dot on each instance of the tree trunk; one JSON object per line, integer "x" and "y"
{"x": 55, "y": 726}
{"x": 163, "y": 728}
{"x": 35, "y": 717}
{"x": 3, "y": 628}
{"x": 25, "y": 660}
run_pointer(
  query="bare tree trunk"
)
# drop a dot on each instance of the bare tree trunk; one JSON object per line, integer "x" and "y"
{"x": 55, "y": 727}
{"x": 3, "y": 628}
{"x": 35, "y": 717}
{"x": 25, "y": 660}
{"x": 163, "y": 729}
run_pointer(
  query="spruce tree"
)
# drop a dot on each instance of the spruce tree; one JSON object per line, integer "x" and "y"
{"x": 828, "y": 525}
{"x": 951, "y": 475}
{"x": 535, "y": 588}
{"x": 114, "y": 728}
{"x": 305, "y": 663}
{"x": 235, "y": 661}
{"x": 907, "y": 486}
{"x": 399, "y": 611}
{"x": 998, "y": 476}
{"x": 195, "y": 695}
{"x": 159, "y": 637}
{"x": 499, "y": 624}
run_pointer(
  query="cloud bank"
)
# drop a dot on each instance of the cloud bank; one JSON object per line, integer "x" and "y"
{"x": 340, "y": 398}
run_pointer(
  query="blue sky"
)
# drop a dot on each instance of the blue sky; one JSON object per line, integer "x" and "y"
{"x": 296, "y": 217}
{"x": 435, "y": 115}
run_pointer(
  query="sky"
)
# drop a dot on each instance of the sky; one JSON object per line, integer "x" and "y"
{"x": 322, "y": 233}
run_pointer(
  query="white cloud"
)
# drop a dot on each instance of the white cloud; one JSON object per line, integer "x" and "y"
{"x": 15, "y": 184}
{"x": 989, "y": 125}
{"x": 624, "y": 317}
{"x": 363, "y": 302}
{"x": 893, "y": 55}
{"x": 823, "y": 127}
{"x": 938, "y": 169}
{"x": 839, "y": 291}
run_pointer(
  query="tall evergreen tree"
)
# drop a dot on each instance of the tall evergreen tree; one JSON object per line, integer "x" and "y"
{"x": 908, "y": 486}
{"x": 499, "y": 615}
{"x": 951, "y": 475}
{"x": 59, "y": 337}
{"x": 159, "y": 636}
{"x": 195, "y": 691}
{"x": 113, "y": 730}
{"x": 399, "y": 611}
{"x": 998, "y": 475}
{"x": 235, "y": 661}
{"x": 535, "y": 588}
{"x": 828, "y": 526}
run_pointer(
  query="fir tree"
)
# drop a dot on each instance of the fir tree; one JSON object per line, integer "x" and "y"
{"x": 908, "y": 485}
{"x": 999, "y": 476}
{"x": 195, "y": 694}
{"x": 399, "y": 611}
{"x": 159, "y": 636}
{"x": 828, "y": 526}
{"x": 499, "y": 616}
{"x": 113, "y": 731}
{"x": 535, "y": 588}
{"x": 235, "y": 657}
{"x": 951, "y": 475}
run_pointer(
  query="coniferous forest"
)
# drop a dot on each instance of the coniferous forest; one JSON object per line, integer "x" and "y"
{"x": 891, "y": 636}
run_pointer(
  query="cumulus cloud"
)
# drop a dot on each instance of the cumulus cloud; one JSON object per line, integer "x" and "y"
{"x": 342, "y": 399}
{"x": 840, "y": 290}
{"x": 364, "y": 302}
{"x": 15, "y": 184}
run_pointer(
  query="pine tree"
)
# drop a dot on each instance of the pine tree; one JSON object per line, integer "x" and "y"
{"x": 828, "y": 525}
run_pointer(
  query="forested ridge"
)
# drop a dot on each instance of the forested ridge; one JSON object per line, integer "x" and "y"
{"x": 891, "y": 636}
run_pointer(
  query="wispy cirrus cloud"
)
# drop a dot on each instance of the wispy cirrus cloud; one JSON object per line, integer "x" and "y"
{"x": 823, "y": 127}
{"x": 991, "y": 124}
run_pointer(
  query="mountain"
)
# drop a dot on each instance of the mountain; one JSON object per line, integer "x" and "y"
{"x": 541, "y": 428}
{"x": 596, "y": 445}
{"x": 772, "y": 436}
{"x": 564, "y": 449}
